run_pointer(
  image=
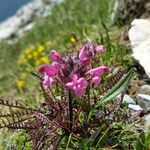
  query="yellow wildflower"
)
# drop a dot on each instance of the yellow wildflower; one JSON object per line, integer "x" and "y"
{"x": 38, "y": 62}
{"x": 29, "y": 50}
{"x": 40, "y": 48}
{"x": 35, "y": 54}
{"x": 20, "y": 84}
{"x": 22, "y": 60}
{"x": 29, "y": 56}
{"x": 44, "y": 59}
{"x": 72, "y": 39}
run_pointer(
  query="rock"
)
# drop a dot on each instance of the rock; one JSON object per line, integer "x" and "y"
{"x": 9, "y": 27}
{"x": 147, "y": 6}
{"x": 147, "y": 122}
{"x": 139, "y": 35}
{"x": 135, "y": 107}
{"x": 127, "y": 10}
{"x": 145, "y": 89}
{"x": 24, "y": 29}
{"x": 126, "y": 99}
{"x": 144, "y": 100}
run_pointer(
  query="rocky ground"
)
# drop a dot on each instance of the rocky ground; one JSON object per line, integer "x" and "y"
{"x": 138, "y": 97}
{"x": 127, "y": 10}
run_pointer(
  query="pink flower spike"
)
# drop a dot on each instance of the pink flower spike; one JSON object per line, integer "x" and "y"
{"x": 48, "y": 81}
{"x": 98, "y": 71}
{"x": 49, "y": 70}
{"x": 82, "y": 53}
{"x": 100, "y": 49}
{"x": 42, "y": 68}
{"x": 55, "y": 56}
{"x": 96, "y": 80}
{"x": 78, "y": 85}
{"x": 74, "y": 78}
{"x": 86, "y": 53}
{"x": 86, "y": 61}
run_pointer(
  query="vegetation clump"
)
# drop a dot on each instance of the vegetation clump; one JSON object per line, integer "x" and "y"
{"x": 79, "y": 108}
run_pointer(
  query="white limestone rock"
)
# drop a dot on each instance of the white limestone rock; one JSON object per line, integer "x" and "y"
{"x": 139, "y": 35}
{"x": 135, "y": 107}
{"x": 147, "y": 122}
{"x": 144, "y": 100}
{"x": 145, "y": 89}
{"x": 126, "y": 99}
{"x": 25, "y": 17}
{"x": 9, "y": 27}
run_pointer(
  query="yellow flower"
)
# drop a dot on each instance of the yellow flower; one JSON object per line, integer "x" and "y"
{"x": 40, "y": 48}
{"x": 72, "y": 39}
{"x": 20, "y": 84}
{"x": 29, "y": 50}
{"x": 44, "y": 59}
{"x": 35, "y": 54}
{"x": 38, "y": 62}
{"x": 29, "y": 56}
{"x": 22, "y": 60}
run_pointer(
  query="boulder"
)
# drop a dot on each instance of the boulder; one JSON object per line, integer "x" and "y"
{"x": 145, "y": 89}
{"x": 135, "y": 107}
{"x": 144, "y": 100}
{"x": 139, "y": 35}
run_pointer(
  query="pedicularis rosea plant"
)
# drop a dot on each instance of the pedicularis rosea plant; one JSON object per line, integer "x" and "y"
{"x": 78, "y": 111}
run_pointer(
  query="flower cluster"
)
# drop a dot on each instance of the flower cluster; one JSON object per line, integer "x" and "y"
{"x": 34, "y": 55}
{"x": 74, "y": 71}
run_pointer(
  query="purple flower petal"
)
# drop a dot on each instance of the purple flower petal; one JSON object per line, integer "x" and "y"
{"x": 98, "y": 71}
{"x": 78, "y": 85}
{"x": 49, "y": 70}
{"x": 96, "y": 80}
{"x": 100, "y": 49}
{"x": 48, "y": 81}
{"x": 55, "y": 56}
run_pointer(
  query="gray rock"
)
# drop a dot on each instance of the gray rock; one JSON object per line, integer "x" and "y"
{"x": 127, "y": 99}
{"x": 135, "y": 107}
{"x": 147, "y": 6}
{"x": 145, "y": 89}
{"x": 144, "y": 100}
{"x": 147, "y": 122}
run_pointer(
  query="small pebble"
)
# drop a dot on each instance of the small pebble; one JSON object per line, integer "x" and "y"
{"x": 135, "y": 107}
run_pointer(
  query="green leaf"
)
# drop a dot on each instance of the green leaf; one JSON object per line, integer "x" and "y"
{"x": 140, "y": 145}
{"x": 118, "y": 88}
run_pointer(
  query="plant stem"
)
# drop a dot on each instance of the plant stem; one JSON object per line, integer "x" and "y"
{"x": 70, "y": 110}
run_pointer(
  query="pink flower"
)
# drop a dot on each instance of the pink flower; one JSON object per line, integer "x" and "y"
{"x": 96, "y": 80}
{"x": 86, "y": 53}
{"x": 96, "y": 72}
{"x": 55, "y": 56}
{"x": 100, "y": 48}
{"x": 49, "y": 70}
{"x": 78, "y": 85}
{"x": 48, "y": 81}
